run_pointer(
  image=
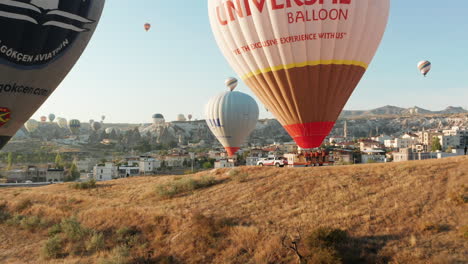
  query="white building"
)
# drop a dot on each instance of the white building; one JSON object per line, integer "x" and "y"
{"x": 336, "y": 140}
{"x": 149, "y": 165}
{"x": 373, "y": 156}
{"x": 128, "y": 171}
{"x": 224, "y": 163}
{"x": 105, "y": 172}
{"x": 382, "y": 138}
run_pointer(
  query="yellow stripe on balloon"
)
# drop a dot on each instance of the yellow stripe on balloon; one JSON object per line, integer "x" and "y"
{"x": 306, "y": 63}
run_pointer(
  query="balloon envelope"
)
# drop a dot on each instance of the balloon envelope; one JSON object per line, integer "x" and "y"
{"x": 43, "y": 40}
{"x": 51, "y": 117}
{"x": 74, "y": 125}
{"x": 43, "y": 119}
{"x": 62, "y": 122}
{"x": 302, "y": 59}
{"x": 147, "y": 26}
{"x": 232, "y": 116}
{"x": 96, "y": 126}
{"x": 31, "y": 125}
{"x": 231, "y": 83}
{"x": 424, "y": 67}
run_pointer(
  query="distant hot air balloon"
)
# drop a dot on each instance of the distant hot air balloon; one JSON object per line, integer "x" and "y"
{"x": 74, "y": 125}
{"x": 181, "y": 118}
{"x": 41, "y": 40}
{"x": 110, "y": 129}
{"x": 232, "y": 116}
{"x": 158, "y": 119}
{"x": 91, "y": 121}
{"x": 103, "y": 118}
{"x": 147, "y": 26}
{"x": 43, "y": 119}
{"x": 424, "y": 67}
{"x": 62, "y": 122}
{"x": 302, "y": 59}
{"x": 31, "y": 125}
{"x": 96, "y": 126}
{"x": 231, "y": 83}
{"x": 190, "y": 116}
{"x": 51, "y": 117}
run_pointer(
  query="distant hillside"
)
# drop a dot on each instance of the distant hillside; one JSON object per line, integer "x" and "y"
{"x": 382, "y": 213}
{"x": 393, "y": 110}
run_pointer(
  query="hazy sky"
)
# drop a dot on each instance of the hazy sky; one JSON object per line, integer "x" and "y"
{"x": 128, "y": 74}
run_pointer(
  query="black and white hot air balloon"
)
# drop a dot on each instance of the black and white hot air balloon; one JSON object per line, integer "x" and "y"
{"x": 40, "y": 42}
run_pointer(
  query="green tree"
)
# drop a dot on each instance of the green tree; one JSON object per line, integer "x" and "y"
{"x": 436, "y": 144}
{"x": 9, "y": 161}
{"x": 207, "y": 165}
{"x": 58, "y": 161}
{"x": 73, "y": 173}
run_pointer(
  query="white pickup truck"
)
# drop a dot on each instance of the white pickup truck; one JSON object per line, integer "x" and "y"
{"x": 277, "y": 161}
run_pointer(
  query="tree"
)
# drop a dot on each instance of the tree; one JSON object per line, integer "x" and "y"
{"x": 73, "y": 173}
{"x": 9, "y": 161}
{"x": 58, "y": 161}
{"x": 207, "y": 165}
{"x": 436, "y": 144}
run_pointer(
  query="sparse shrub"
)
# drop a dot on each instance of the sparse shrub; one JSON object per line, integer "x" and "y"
{"x": 324, "y": 256}
{"x": 54, "y": 230}
{"x": 238, "y": 176}
{"x": 460, "y": 197}
{"x": 73, "y": 229}
{"x": 119, "y": 255}
{"x": 91, "y": 184}
{"x": 326, "y": 237}
{"x": 32, "y": 223}
{"x": 464, "y": 232}
{"x": 184, "y": 185}
{"x": 15, "y": 220}
{"x": 95, "y": 242}
{"x": 53, "y": 247}
{"x": 23, "y": 204}
{"x": 128, "y": 236}
{"x": 4, "y": 214}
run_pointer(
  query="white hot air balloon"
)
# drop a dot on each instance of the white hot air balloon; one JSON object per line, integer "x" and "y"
{"x": 158, "y": 119}
{"x": 62, "y": 122}
{"x": 31, "y": 125}
{"x": 181, "y": 118}
{"x": 232, "y": 116}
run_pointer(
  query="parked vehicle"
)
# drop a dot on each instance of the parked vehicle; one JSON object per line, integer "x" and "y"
{"x": 273, "y": 161}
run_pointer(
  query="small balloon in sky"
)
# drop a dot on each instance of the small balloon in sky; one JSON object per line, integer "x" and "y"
{"x": 147, "y": 27}
{"x": 424, "y": 67}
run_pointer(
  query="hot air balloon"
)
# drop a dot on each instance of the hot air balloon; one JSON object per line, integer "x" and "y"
{"x": 181, "y": 118}
{"x": 147, "y": 27}
{"x": 62, "y": 122}
{"x": 74, "y": 125}
{"x": 158, "y": 119}
{"x": 96, "y": 126}
{"x": 232, "y": 116}
{"x": 51, "y": 117}
{"x": 32, "y": 125}
{"x": 43, "y": 119}
{"x": 190, "y": 116}
{"x": 231, "y": 83}
{"x": 424, "y": 67}
{"x": 103, "y": 118}
{"x": 41, "y": 40}
{"x": 91, "y": 121}
{"x": 302, "y": 59}
{"x": 110, "y": 129}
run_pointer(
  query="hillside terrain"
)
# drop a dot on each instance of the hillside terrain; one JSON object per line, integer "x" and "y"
{"x": 412, "y": 212}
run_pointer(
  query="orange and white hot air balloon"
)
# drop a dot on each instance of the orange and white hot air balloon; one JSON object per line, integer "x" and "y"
{"x": 147, "y": 26}
{"x": 303, "y": 59}
{"x": 424, "y": 67}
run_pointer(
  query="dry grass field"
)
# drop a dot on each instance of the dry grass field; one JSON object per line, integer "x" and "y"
{"x": 381, "y": 213}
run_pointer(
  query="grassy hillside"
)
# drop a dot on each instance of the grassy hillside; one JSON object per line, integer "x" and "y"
{"x": 392, "y": 213}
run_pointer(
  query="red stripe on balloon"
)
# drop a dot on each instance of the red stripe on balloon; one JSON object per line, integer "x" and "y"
{"x": 310, "y": 135}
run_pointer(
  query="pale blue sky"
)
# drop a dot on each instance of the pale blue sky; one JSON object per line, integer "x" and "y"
{"x": 129, "y": 74}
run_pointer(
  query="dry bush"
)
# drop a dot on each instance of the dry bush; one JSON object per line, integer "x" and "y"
{"x": 238, "y": 175}
{"x": 53, "y": 248}
{"x": 4, "y": 214}
{"x": 30, "y": 223}
{"x": 95, "y": 243}
{"x": 460, "y": 197}
{"x": 183, "y": 186}
{"x": 91, "y": 184}
{"x": 23, "y": 204}
{"x": 464, "y": 232}
{"x": 433, "y": 228}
